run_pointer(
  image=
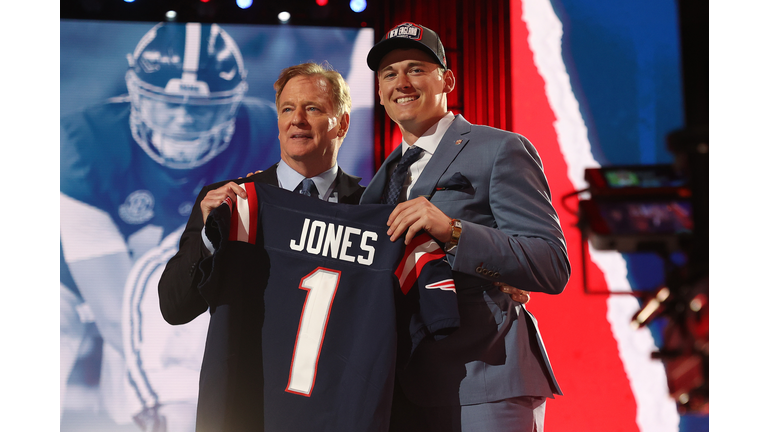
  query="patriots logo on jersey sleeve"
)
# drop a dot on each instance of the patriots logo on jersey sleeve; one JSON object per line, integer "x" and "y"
{"x": 445, "y": 285}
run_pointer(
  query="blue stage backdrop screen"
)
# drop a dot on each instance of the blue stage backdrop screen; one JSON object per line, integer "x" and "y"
{"x": 139, "y": 140}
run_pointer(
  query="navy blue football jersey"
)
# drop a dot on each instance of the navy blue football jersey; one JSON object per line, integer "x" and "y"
{"x": 312, "y": 308}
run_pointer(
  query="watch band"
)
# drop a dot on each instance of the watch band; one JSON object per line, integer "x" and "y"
{"x": 455, "y": 234}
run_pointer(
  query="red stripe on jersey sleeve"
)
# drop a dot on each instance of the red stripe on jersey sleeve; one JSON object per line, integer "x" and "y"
{"x": 253, "y": 209}
{"x": 410, "y": 267}
{"x": 233, "y": 222}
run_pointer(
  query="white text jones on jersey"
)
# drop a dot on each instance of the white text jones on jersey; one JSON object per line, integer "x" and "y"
{"x": 322, "y": 238}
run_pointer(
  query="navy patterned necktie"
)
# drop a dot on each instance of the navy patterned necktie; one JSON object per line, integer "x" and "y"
{"x": 395, "y": 185}
{"x": 307, "y": 187}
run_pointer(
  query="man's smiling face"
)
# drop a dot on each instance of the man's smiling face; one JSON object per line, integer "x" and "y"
{"x": 310, "y": 129}
{"x": 413, "y": 89}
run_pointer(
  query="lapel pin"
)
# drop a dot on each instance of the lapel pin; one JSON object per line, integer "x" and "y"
{"x": 458, "y": 142}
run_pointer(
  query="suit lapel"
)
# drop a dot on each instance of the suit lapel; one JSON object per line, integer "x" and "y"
{"x": 268, "y": 176}
{"x": 348, "y": 187}
{"x": 454, "y": 140}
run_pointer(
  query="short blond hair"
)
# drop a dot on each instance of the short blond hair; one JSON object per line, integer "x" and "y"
{"x": 342, "y": 100}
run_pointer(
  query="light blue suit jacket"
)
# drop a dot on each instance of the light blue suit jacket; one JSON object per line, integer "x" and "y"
{"x": 491, "y": 180}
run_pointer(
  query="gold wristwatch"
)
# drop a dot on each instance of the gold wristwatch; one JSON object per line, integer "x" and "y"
{"x": 455, "y": 234}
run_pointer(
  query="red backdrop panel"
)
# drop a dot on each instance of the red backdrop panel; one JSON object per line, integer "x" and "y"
{"x": 579, "y": 341}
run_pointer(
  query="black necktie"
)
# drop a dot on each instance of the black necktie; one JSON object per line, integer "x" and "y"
{"x": 307, "y": 187}
{"x": 395, "y": 185}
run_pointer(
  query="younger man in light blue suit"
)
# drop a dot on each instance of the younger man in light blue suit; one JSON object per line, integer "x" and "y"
{"x": 482, "y": 192}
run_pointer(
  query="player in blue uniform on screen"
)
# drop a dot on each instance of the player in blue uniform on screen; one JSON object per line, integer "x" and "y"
{"x": 131, "y": 169}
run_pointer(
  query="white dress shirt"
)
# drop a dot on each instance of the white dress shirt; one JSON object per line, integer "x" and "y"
{"x": 288, "y": 178}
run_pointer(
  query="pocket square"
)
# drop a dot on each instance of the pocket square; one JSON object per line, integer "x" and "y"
{"x": 456, "y": 182}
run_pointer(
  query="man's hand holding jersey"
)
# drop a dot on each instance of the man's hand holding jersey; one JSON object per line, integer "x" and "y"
{"x": 414, "y": 215}
{"x": 215, "y": 197}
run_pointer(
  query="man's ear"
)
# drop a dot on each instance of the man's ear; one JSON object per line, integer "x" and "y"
{"x": 449, "y": 81}
{"x": 343, "y": 125}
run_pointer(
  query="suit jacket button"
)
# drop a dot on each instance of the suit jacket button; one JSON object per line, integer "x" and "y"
{"x": 496, "y": 274}
{"x": 192, "y": 270}
{"x": 479, "y": 270}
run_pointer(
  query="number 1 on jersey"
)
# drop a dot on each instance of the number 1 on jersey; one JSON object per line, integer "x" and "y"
{"x": 321, "y": 287}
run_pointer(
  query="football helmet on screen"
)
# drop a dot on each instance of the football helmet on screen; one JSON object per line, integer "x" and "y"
{"x": 185, "y": 82}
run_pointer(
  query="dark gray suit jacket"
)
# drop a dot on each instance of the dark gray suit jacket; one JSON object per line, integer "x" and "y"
{"x": 180, "y": 300}
{"x": 492, "y": 180}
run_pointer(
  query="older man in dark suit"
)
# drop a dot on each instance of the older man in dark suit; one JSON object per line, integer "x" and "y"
{"x": 313, "y": 106}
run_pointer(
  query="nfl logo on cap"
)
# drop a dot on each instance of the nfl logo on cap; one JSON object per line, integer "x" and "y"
{"x": 406, "y": 30}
